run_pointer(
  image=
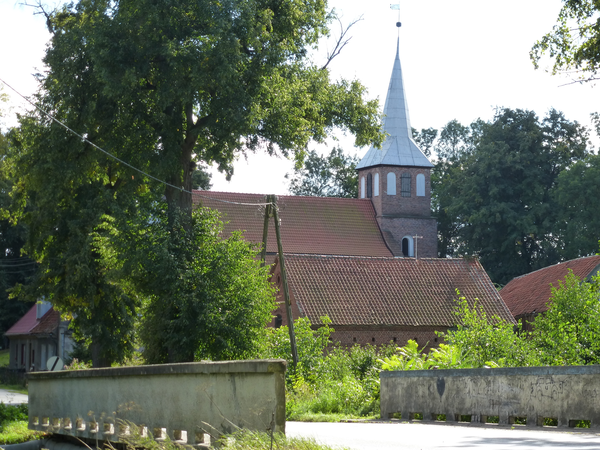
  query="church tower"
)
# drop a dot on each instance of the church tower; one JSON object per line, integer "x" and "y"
{"x": 397, "y": 179}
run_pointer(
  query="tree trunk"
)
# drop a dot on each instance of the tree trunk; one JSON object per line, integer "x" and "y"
{"x": 98, "y": 360}
{"x": 179, "y": 202}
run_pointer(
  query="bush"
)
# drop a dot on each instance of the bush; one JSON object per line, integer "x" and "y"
{"x": 13, "y": 413}
{"x": 330, "y": 381}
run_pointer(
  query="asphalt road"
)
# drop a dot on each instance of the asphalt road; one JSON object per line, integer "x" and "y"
{"x": 417, "y": 436}
{"x": 7, "y": 397}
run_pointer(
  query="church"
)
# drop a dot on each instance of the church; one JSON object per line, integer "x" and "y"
{"x": 369, "y": 264}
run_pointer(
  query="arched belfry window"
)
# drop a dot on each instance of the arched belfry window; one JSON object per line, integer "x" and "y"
{"x": 369, "y": 185}
{"x": 376, "y": 185}
{"x": 408, "y": 248}
{"x": 391, "y": 183}
{"x": 420, "y": 185}
{"x": 362, "y": 187}
{"x": 405, "y": 185}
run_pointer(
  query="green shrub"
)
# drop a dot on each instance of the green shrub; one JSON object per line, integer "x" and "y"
{"x": 13, "y": 413}
{"x": 330, "y": 380}
{"x": 17, "y": 433}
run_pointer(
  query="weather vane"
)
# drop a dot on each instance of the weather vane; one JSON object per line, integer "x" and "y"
{"x": 396, "y": 7}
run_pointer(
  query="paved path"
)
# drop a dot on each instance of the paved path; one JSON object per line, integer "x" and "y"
{"x": 8, "y": 397}
{"x": 416, "y": 436}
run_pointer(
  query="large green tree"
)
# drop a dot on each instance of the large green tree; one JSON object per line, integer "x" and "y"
{"x": 161, "y": 86}
{"x": 332, "y": 175}
{"x": 203, "y": 80}
{"x": 497, "y": 196}
{"x": 63, "y": 199}
{"x": 577, "y": 195}
{"x": 574, "y": 42}
{"x": 14, "y": 267}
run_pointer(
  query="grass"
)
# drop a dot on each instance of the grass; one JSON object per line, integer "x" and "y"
{"x": 4, "y": 358}
{"x": 251, "y": 440}
{"x": 14, "y": 388}
{"x": 323, "y": 417}
{"x": 17, "y": 432}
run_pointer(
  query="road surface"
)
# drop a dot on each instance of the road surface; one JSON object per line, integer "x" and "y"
{"x": 8, "y": 397}
{"x": 417, "y": 436}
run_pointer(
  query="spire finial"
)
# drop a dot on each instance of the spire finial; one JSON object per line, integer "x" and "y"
{"x": 396, "y": 7}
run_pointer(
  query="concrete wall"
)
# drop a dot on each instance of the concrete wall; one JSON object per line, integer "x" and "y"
{"x": 568, "y": 394}
{"x": 186, "y": 402}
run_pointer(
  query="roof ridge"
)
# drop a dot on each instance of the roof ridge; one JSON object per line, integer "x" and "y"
{"x": 281, "y": 196}
{"x": 553, "y": 265}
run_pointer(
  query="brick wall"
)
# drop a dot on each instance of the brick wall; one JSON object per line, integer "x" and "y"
{"x": 377, "y": 335}
{"x": 405, "y": 226}
{"x": 396, "y": 204}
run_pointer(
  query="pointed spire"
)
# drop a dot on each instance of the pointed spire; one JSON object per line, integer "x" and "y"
{"x": 399, "y": 148}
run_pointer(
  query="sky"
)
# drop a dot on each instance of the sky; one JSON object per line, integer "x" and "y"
{"x": 461, "y": 59}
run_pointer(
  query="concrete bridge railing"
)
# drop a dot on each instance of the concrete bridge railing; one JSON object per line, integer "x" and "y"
{"x": 526, "y": 395}
{"x": 187, "y": 402}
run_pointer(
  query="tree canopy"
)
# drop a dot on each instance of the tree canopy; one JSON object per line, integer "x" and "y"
{"x": 495, "y": 190}
{"x": 574, "y": 42}
{"x": 172, "y": 84}
{"x": 15, "y": 268}
{"x": 332, "y": 175}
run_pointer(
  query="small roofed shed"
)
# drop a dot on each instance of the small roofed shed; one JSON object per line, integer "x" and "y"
{"x": 309, "y": 225}
{"x": 37, "y": 336}
{"x": 528, "y": 295}
{"x": 382, "y": 300}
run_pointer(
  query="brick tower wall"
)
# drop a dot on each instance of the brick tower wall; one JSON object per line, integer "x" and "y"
{"x": 408, "y": 226}
{"x": 396, "y": 204}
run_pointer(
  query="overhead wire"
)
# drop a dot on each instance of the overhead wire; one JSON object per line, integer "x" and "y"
{"x": 84, "y": 139}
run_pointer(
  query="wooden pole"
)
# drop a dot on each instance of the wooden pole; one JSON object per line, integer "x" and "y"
{"x": 286, "y": 291}
{"x": 263, "y": 252}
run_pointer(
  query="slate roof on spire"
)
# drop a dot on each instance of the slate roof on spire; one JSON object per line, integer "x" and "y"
{"x": 399, "y": 148}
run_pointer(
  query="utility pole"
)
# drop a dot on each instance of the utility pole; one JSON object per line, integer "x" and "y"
{"x": 268, "y": 214}
{"x": 271, "y": 208}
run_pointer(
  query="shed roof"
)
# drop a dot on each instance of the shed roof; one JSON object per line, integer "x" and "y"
{"x": 313, "y": 225}
{"x": 29, "y": 324}
{"x": 530, "y": 293}
{"x": 389, "y": 291}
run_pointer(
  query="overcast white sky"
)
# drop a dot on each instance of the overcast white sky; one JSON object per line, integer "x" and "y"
{"x": 461, "y": 59}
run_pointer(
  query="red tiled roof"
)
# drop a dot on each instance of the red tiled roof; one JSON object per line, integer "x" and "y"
{"x": 28, "y": 324}
{"x": 529, "y": 293}
{"x": 48, "y": 323}
{"x": 389, "y": 291}
{"x": 313, "y": 225}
